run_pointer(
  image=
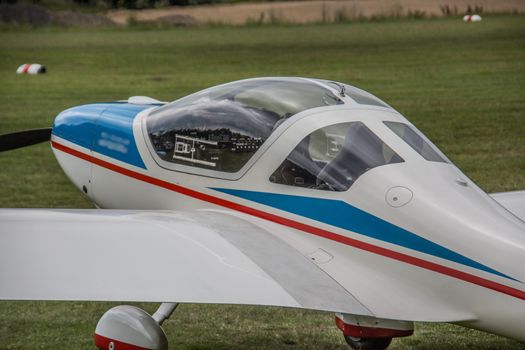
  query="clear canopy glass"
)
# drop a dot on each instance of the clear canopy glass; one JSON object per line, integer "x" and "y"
{"x": 359, "y": 96}
{"x": 222, "y": 127}
{"x": 334, "y": 157}
{"x": 411, "y": 136}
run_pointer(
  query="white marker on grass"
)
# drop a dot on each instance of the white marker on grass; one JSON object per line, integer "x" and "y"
{"x": 31, "y": 68}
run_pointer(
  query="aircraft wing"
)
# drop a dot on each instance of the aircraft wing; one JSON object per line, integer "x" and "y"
{"x": 186, "y": 257}
{"x": 512, "y": 201}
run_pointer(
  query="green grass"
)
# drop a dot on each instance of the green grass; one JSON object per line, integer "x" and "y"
{"x": 461, "y": 84}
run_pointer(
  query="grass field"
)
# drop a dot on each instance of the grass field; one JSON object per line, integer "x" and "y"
{"x": 461, "y": 84}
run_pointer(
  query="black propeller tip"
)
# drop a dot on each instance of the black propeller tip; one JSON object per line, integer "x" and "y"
{"x": 24, "y": 138}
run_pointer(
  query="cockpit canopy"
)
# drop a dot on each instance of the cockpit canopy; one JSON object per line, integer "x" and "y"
{"x": 222, "y": 127}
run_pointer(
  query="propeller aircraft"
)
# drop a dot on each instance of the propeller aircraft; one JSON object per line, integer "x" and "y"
{"x": 289, "y": 192}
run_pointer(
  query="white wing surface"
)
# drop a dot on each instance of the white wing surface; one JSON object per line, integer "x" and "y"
{"x": 512, "y": 201}
{"x": 187, "y": 257}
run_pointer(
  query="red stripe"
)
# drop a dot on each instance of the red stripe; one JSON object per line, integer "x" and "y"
{"x": 300, "y": 226}
{"x": 103, "y": 343}
{"x": 350, "y": 330}
{"x": 26, "y": 68}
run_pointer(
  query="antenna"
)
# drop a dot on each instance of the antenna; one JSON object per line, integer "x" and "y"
{"x": 342, "y": 88}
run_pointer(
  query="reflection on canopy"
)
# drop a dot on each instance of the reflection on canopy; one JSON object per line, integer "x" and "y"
{"x": 410, "y": 135}
{"x": 332, "y": 158}
{"x": 222, "y": 127}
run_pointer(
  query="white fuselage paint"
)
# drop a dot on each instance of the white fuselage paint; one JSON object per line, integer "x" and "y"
{"x": 461, "y": 218}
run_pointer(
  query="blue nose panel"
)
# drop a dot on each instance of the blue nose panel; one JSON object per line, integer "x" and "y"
{"x": 105, "y": 128}
{"x": 114, "y": 136}
{"x": 78, "y": 124}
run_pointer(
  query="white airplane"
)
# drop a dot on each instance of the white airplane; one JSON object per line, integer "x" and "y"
{"x": 288, "y": 192}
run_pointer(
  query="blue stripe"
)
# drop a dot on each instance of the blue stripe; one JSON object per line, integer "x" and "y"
{"x": 343, "y": 215}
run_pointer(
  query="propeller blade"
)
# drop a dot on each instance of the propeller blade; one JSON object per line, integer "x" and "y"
{"x": 24, "y": 138}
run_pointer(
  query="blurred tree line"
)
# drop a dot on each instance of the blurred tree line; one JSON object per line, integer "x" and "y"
{"x": 128, "y": 4}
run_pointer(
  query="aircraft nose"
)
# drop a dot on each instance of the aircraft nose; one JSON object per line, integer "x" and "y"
{"x": 78, "y": 125}
{"x": 72, "y": 140}
{"x": 82, "y": 135}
